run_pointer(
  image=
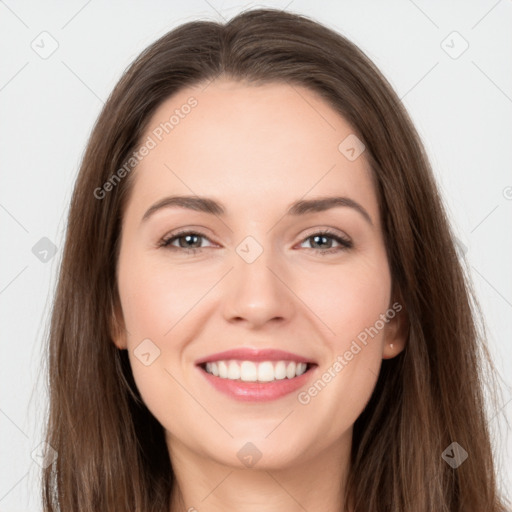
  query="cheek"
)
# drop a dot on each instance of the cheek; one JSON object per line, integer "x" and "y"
{"x": 159, "y": 302}
{"x": 349, "y": 299}
{"x": 155, "y": 296}
{"x": 158, "y": 305}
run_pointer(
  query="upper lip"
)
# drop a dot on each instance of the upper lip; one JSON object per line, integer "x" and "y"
{"x": 254, "y": 354}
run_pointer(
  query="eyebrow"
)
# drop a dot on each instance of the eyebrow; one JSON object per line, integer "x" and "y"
{"x": 213, "y": 207}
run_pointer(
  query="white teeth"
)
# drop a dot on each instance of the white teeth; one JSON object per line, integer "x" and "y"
{"x": 301, "y": 368}
{"x": 290, "y": 370}
{"x": 223, "y": 370}
{"x": 233, "y": 371}
{"x": 265, "y": 372}
{"x": 280, "y": 370}
{"x": 249, "y": 371}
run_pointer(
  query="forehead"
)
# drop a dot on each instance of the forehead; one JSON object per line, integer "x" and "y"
{"x": 250, "y": 145}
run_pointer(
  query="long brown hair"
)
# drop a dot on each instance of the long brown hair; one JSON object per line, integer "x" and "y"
{"x": 112, "y": 454}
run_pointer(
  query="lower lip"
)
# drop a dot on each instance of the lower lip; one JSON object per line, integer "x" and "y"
{"x": 257, "y": 391}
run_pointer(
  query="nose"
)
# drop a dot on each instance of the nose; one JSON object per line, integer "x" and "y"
{"x": 258, "y": 293}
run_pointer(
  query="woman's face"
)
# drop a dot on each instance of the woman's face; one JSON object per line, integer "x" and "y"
{"x": 264, "y": 276}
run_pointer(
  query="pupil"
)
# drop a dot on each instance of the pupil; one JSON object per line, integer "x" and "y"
{"x": 319, "y": 237}
{"x": 188, "y": 238}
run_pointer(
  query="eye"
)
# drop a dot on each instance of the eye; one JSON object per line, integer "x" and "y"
{"x": 190, "y": 241}
{"x": 323, "y": 237}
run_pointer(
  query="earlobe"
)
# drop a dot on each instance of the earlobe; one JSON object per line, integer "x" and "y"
{"x": 396, "y": 334}
{"x": 117, "y": 330}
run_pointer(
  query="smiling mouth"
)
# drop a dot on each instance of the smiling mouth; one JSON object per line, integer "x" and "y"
{"x": 251, "y": 371}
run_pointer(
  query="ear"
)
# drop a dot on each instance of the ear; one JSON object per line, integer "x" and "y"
{"x": 117, "y": 327}
{"x": 396, "y": 330}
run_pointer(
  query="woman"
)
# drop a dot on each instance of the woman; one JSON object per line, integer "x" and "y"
{"x": 207, "y": 352}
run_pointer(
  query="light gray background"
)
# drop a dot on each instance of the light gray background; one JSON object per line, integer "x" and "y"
{"x": 461, "y": 105}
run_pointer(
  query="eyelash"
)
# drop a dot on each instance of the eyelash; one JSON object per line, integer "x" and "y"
{"x": 345, "y": 243}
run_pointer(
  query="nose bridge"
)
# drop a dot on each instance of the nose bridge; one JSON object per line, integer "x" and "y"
{"x": 256, "y": 290}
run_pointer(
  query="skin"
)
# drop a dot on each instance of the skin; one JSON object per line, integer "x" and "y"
{"x": 256, "y": 149}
